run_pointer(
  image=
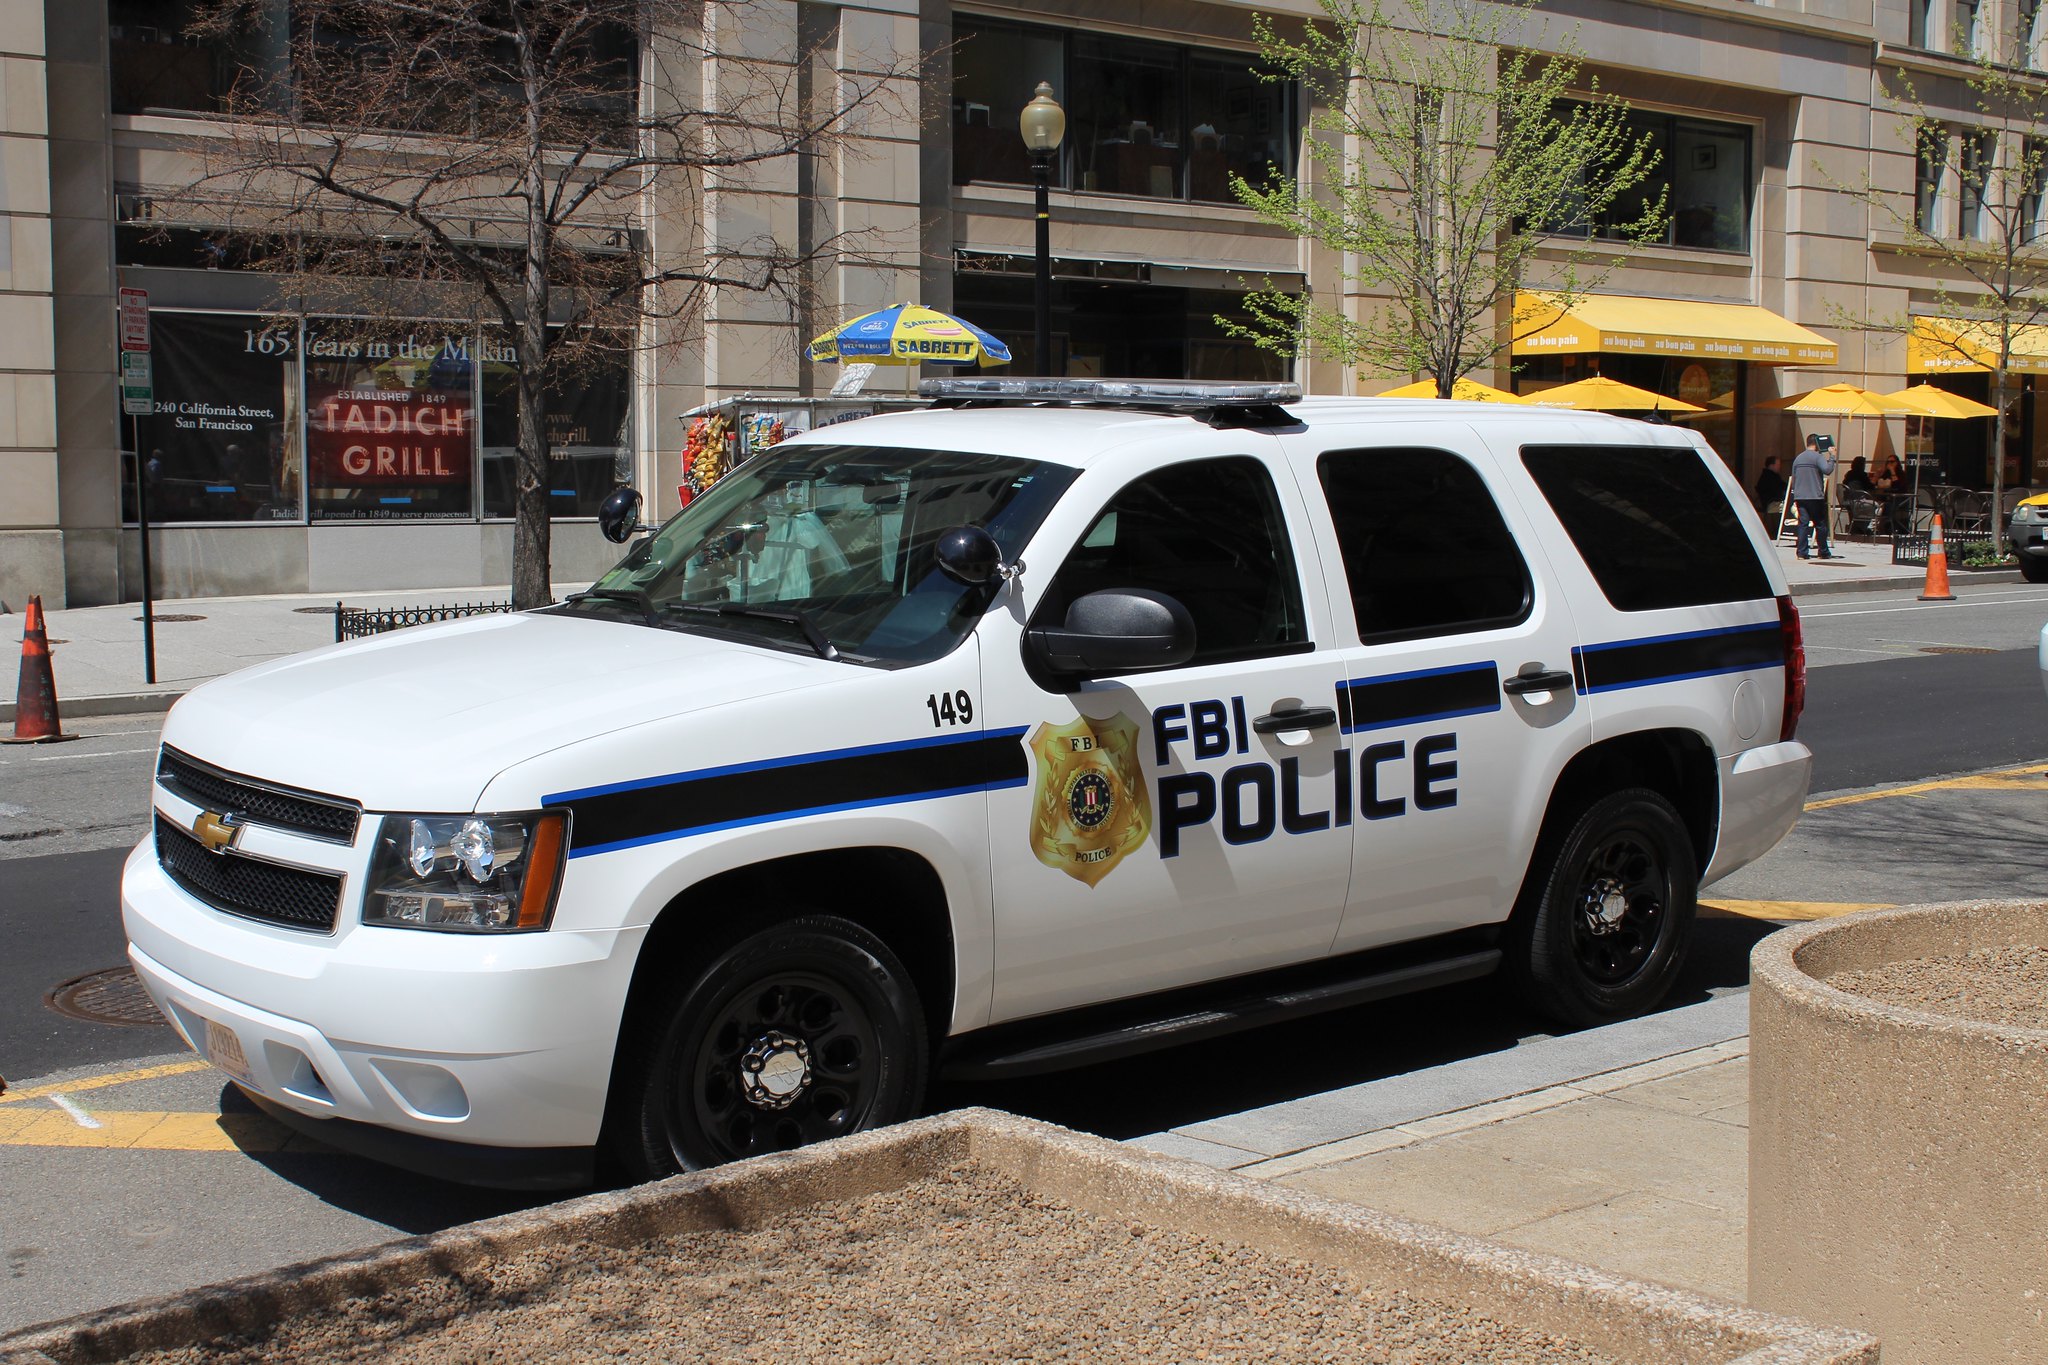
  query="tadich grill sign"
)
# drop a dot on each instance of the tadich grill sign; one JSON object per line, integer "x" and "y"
{"x": 389, "y": 435}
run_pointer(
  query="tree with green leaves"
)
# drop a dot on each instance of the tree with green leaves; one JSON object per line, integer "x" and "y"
{"x": 1455, "y": 157}
{"x": 1976, "y": 215}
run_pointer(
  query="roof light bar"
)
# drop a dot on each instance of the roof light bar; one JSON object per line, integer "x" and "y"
{"x": 1190, "y": 393}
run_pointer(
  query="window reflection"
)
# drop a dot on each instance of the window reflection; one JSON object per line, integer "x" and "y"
{"x": 1143, "y": 118}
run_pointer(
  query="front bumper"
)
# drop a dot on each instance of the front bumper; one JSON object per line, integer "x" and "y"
{"x": 2028, "y": 539}
{"x": 1763, "y": 791}
{"x": 501, "y": 1041}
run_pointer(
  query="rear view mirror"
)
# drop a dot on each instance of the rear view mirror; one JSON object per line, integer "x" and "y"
{"x": 1117, "y": 630}
{"x": 618, "y": 516}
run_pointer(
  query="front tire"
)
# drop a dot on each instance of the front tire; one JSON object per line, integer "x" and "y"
{"x": 1603, "y": 934}
{"x": 2034, "y": 568}
{"x": 807, "y": 1030}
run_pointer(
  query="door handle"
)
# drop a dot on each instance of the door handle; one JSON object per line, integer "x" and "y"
{"x": 1296, "y": 718}
{"x": 1551, "y": 681}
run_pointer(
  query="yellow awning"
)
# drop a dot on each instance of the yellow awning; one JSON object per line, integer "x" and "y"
{"x": 1938, "y": 346}
{"x": 1627, "y": 325}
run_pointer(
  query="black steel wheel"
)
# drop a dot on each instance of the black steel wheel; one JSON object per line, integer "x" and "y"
{"x": 807, "y": 1030}
{"x": 1605, "y": 924}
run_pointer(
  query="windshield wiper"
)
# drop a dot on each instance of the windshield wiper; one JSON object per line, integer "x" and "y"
{"x": 637, "y": 596}
{"x": 795, "y": 616}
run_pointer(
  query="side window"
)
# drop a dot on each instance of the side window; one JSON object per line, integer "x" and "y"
{"x": 1424, "y": 546}
{"x": 1209, "y": 533}
{"x": 1651, "y": 523}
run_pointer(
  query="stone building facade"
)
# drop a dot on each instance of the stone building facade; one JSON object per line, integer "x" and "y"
{"x": 1767, "y": 115}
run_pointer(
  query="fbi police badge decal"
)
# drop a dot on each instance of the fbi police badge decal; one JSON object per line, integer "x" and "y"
{"x": 1089, "y": 808}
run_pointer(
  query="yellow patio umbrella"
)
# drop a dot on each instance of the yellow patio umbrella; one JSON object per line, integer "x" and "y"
{"x": 1928, "y": 401}
{"x": 1840, "y": 400}
{"x": 1467, "y": 390}
{"x": 1600, "y": 394}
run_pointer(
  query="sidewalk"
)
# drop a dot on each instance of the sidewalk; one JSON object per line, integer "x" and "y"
{"x": 1626, "y": 1147}
{"x": 96, "y": 652}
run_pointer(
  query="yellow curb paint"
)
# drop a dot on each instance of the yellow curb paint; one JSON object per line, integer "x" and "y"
{"x": 1790, "y": 910}
{"x": 147, "y": 1073}
{"x": 2003, "y": 780}
{"x": 152, "y": 1131}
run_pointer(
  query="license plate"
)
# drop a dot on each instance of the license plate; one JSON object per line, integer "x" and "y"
{"x": 224, "y": 1050}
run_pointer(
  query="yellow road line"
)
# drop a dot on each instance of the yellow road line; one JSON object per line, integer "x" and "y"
{"x": 2006, "y": 779}
{"x": 1790, "y": 910}
{"x": 152, "y": 1131}
{"x": 147, "y": 1073}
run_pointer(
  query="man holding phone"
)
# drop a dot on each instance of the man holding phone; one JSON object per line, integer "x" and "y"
{"x": 1810, "y": 471}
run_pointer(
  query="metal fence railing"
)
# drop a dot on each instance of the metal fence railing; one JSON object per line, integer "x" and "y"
{"x": 353, "y": 623}
{"x": 1910, "y": 548}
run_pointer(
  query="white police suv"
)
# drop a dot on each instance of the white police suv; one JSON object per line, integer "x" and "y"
{"x": 1052, "y": 722}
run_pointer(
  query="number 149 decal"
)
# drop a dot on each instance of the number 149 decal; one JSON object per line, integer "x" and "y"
{"x": 951, "y": 708}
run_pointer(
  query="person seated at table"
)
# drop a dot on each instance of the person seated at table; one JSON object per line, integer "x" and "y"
{"x": 1857, "y": 481}
{"x": 1892, "y": 478}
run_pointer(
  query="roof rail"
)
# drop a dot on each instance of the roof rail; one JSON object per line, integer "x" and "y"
{"x": 1220, "y": 403}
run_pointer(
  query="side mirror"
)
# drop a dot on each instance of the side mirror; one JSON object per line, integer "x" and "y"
{"x": 1117, "y": 630}
{"x": 618, "y": 516}
{"x": 968, "y": 554}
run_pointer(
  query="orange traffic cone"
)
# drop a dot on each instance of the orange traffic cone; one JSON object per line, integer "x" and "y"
{"x": 35, "y": 704}
{"x": 1937, "y": 567}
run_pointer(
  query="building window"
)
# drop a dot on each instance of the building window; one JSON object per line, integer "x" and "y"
{"x": 1919, "y": 22}
{"x": 2027, "y": 32}
{"x": 589, "y": 449}
{"x": 1143, "y": 118}
{"x": 1703, "y": 171}
{"x": 2033, "y": 178}
{"x": 1974, "y": 171}
{"x": 1930, "y": 161}
{"x": 390, "y": 420}
{"x": 1963, "y": 35}
{"x": 223, "y": 442}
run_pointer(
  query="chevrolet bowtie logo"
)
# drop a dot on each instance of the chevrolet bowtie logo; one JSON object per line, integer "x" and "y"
{"x": 217, "y": 832}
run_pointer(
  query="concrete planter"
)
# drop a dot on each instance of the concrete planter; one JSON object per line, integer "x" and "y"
{"x": 1898, "y": 1160}
{"x": 1624, "y": 1320}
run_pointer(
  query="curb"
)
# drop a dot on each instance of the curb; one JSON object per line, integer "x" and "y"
{"x": 115, "y": 704}
{"x": 1825, "y": 588}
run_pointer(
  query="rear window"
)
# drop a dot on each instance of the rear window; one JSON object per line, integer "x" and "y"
{"x": 1651, "y": 523}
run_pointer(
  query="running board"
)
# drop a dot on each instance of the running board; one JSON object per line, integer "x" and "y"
{"x": 1010, "y": 1056}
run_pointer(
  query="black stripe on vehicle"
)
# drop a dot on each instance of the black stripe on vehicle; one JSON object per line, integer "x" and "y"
{"x": 1411, "y": 698}
{"x": 1673, "y": 658}
{"x": 646, "y": 811}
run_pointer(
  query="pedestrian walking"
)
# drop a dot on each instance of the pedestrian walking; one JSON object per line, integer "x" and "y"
{"x": 1810, "y": 470}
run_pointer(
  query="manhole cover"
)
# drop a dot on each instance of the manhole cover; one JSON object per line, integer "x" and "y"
{"x": 1955, "y": 649}
{"x": 160, "y": 617}
{"x": 110, "y": 996}
{"x": 312, "y": 611}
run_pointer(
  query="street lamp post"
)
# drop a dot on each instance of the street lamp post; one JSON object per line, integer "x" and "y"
{"x": 1043, "y": 124}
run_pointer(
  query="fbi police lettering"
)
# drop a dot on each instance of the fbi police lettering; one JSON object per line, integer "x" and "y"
{"x": 1253, "y": 800}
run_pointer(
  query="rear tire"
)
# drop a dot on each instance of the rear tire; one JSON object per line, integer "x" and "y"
{"x": 1604, "y": 932}
{"x": 807, "y": 1030}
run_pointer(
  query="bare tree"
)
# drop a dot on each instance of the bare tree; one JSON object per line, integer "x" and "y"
{"x": 505, "y": 157}
{"x": 1976, "y": 214}
{"x": 1453, "y": 158}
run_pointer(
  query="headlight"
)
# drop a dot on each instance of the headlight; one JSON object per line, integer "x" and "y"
{"x": 2025, "y": 513}
{"x": 470, "y": 874}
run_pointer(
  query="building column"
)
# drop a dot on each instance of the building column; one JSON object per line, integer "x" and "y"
{"x": 31, "y": 546}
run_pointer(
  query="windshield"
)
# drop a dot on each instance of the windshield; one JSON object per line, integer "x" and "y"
{"x": 831, "y": 549}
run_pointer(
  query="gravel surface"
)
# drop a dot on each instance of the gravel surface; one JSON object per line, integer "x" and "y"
{"x": 963, "y": 1265}
{"x": 2005, "y": 986}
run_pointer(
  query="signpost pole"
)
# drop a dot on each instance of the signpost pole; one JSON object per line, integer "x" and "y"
{"x": 138, "y": 400}
{"x": 142, "y": 526}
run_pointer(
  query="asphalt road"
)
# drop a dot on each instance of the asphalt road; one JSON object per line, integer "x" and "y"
{"x": 82, "y": 1226}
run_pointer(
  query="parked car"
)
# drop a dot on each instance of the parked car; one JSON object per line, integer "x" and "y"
{"x": 1059, "y": 721}
{"x": 2027, "y": 534}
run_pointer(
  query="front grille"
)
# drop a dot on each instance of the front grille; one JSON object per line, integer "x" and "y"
{"x": 322, "y": 817}
{"x": 289, "y": 896}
